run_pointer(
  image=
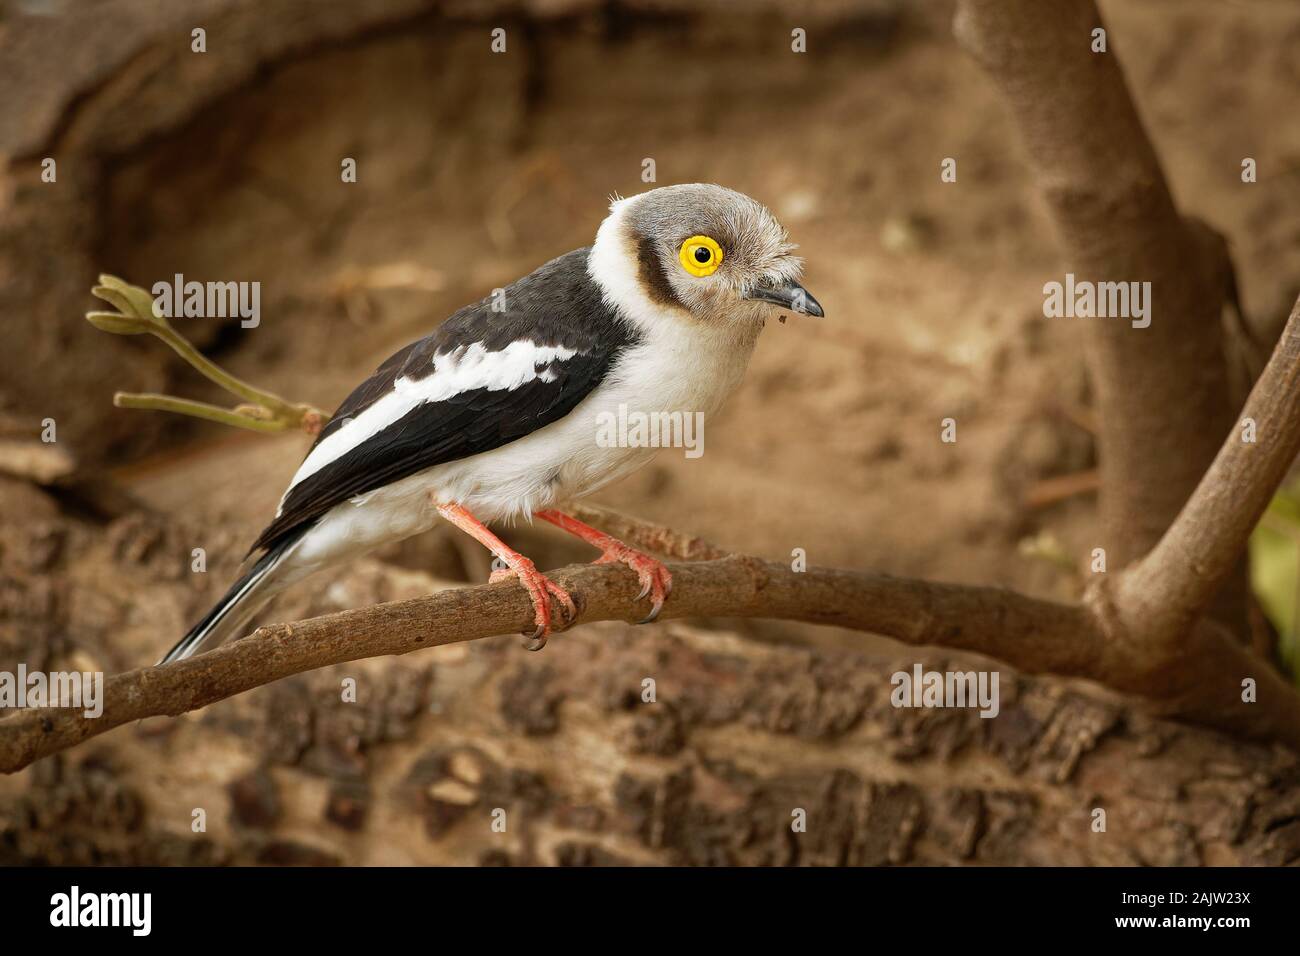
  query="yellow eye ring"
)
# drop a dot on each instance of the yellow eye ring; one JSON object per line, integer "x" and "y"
{"x": 700, "y": 256}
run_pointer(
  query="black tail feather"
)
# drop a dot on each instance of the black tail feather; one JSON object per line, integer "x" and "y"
{"x": 239, "y": 591}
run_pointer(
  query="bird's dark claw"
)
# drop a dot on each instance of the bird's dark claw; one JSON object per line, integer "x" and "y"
{"x": 544, "y": 594}
{"x": 536, "y": 640}
{"x": 656, "y": 580}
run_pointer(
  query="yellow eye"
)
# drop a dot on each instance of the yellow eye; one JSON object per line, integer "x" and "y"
{"x": 700, "y": 256}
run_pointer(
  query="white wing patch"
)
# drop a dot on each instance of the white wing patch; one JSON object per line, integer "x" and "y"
{"x": 465, "y": 369}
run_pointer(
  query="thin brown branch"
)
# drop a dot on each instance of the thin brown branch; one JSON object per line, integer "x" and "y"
{"x": 647, "y": 535}
{"x": 919, "y": 612}
{"x": 1033, "y": 635}
{"x": 1179, "y": 577}
{"x": 1050, "y": 491}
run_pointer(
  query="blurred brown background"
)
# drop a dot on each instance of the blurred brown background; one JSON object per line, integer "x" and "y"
{"x": 473, "y": 168}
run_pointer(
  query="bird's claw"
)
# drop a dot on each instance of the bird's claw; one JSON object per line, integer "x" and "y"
{"x": 535, "y": 641}
{"x": 656, "y": 579}
{"x": 543, "y": 591}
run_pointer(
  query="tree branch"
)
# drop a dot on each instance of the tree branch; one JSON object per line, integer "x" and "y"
{"x": 1035, "y": 636}
{"x": 1040, "y": 634}
{"x": 647, "y": 535}
{"x": 1177, "y": 580}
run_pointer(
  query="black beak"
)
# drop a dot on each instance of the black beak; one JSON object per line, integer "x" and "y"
{"x": 789, "y": 295}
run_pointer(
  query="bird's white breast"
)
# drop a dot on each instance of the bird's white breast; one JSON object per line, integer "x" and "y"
{"x": 567, "y": 459}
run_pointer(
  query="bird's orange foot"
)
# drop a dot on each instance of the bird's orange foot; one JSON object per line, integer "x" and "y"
{"x": 543, "y": 592}
{"x": 656, "y": 579}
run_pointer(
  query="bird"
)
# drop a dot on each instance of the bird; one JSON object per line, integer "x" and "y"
{"x": 492, "y": 416}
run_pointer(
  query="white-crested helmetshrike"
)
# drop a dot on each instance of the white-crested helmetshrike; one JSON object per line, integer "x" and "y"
{"x": 495, "y": 414}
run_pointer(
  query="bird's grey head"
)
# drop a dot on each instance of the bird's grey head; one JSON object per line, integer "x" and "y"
{"x": 710, "y": 251}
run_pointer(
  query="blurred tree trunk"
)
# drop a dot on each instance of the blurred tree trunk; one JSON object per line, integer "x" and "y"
{"x": 1162, "y": 392}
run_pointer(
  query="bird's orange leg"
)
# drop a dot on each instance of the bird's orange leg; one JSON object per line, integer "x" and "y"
{"x": 656, "y": 580}
{"x": 540, "y": 588}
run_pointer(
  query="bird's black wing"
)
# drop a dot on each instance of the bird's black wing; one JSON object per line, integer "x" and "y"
{"x": 557, "y": 306}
